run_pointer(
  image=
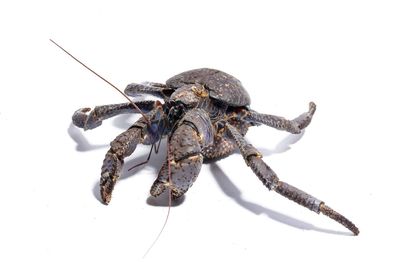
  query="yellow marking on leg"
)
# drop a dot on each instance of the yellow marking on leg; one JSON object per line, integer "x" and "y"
{"x": 195, "y": 157}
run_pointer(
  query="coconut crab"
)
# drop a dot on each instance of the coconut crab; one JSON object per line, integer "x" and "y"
{"x": 205, "y": 116}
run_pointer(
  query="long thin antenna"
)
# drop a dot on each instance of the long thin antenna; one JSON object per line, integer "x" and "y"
{"x": 169, "y": 201}
{"x": 102, "y": 78}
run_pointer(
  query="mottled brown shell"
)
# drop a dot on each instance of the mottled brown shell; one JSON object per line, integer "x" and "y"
{"x": 221, "y": 86}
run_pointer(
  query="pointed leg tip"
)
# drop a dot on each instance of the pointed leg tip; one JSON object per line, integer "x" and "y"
{"x": 106, "y": 200}
{"x": 312, "y": 108}
{"x": 326, "y": 210}
{"x": 355, "y": 230}
{"x": 105, "y": 196}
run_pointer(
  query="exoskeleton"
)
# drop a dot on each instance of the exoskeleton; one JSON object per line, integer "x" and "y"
{"x": 205, "y": 115}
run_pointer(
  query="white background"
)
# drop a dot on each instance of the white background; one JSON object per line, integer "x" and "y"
{"x": 344, "y": 55}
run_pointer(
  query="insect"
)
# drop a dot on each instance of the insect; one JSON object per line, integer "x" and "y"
{"x": 205, "y": 116}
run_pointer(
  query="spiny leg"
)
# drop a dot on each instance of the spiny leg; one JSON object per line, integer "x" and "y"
{"x": 313, "y": 204}
{"x": 89, "y": 119}
{"x": 293, "y": 126}
{"x": 186, "y": 143}
{"x": 272, "y": 182}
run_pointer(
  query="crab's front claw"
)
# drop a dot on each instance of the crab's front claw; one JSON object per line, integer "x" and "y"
{"x": 82, "y": 119}
{"x": 122, "y": 146}
{"x": 110, "y": 172}
{"x": 106, "y": 189}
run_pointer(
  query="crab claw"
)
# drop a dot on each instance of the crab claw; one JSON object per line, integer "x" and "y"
{"x": 82, "y": 119}
{"x": 122, "y": 146}
{"x": 109, "y": 175}
{"x": 79, "y": 117}
{"x": 105, "y": 191}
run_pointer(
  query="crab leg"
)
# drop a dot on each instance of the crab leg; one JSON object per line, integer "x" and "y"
{"x": 155, "y": 89}
{"x": 272, "y": 182}
{"x": 293, "y": 126}
{"x": 89, "y": 119}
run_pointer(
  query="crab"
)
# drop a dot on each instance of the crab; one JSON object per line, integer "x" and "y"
{"x": 205, "y": 116}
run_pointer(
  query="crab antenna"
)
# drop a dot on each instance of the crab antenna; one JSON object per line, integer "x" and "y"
{"x": 105, "y": 80}
{"x": 169, "y": 200}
